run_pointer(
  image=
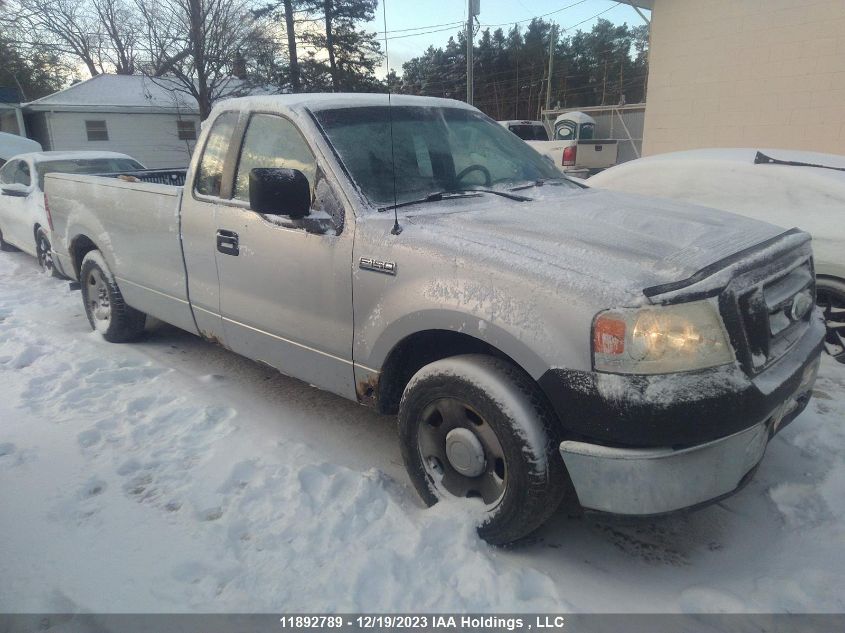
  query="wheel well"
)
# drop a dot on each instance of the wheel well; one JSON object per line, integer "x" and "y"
{"x": 35, "y": 232}
{"x": 832, "y": 278}
{"x": 79, "y": 248}
{"x": 418, "y": 350}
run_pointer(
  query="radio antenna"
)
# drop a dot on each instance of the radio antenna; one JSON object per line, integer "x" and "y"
{"x": 396, "y": 228}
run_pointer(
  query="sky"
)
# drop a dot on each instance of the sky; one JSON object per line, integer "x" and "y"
{"x": 404, "y": 15}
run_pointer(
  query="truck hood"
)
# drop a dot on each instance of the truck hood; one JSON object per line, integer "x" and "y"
{"x": 606, "y": 242}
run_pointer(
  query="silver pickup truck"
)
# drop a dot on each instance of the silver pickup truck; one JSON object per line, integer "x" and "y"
{"x": 539, "y": 341}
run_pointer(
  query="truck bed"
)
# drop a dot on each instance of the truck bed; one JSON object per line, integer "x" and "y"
{"x": 137, "y": 230}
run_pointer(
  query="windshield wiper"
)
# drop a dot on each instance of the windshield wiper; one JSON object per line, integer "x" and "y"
{"x": 454, "y": 194}
{"x": 437, "y": 196}
{"x": 762, "y": 159}
{"x": 539, "y": 183}
{"x": 497, "y": 192}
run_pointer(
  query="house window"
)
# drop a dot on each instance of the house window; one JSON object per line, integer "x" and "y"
{"x": 96, "y": 130}
{"x": 187, "y": 130}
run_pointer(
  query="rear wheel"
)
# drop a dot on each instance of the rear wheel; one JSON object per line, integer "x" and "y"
{"x": 107, "y": 312}
{"x": 830, "y": 296}
{"x": 44, "y": 252}
{"x": 475, "y": 426}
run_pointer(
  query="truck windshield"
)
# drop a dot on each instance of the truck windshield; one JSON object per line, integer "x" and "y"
{"x": 85, "y": 166}
{"x": 529, "y": 132}
{"x": 436, "y": 150}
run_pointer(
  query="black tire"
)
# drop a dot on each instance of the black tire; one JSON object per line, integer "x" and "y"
{"x": 830, "y": 297}
{"x": 505, "y": 399}
{"x": 107, "y": 312}
{"x": 5, "y": 246}
{"x": 44, "y": 252}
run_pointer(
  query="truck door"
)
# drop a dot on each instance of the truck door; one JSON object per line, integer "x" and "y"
{"x": 286, "y": 285}
{"x": 200, "y": 206}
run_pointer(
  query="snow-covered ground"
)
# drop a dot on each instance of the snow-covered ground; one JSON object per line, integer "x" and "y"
{"x": 171, "y": 475}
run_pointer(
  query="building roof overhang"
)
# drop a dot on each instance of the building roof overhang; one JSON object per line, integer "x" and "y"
{"x": 642, "y": 4}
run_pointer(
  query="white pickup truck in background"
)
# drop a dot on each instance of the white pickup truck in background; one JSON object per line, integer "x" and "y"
{"x": 572, "y": 146}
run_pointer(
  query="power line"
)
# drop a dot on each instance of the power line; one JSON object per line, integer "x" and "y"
{"x": 399, "y": 37}
{"x": 420, "y": 28}
{"x": 536, "y": 17}
{"x": 569, "y": 28}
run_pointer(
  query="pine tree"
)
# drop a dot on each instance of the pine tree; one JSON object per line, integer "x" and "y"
{"x": 352, "y": 52}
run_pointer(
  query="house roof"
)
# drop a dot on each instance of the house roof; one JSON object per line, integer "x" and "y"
{"x": 122, "y": 93}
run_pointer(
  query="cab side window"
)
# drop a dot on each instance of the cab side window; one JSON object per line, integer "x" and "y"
{"x": 210, "y": 172}
{"x": 272, "y": 141}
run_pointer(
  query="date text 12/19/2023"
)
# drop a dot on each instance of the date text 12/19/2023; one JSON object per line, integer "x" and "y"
{"x": 427, "y": 622}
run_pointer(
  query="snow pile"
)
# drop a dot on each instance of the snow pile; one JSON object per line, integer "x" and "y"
{"x": 171, "y": 475}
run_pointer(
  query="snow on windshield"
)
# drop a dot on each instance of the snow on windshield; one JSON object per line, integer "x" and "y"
{"x": 434, "y": 149}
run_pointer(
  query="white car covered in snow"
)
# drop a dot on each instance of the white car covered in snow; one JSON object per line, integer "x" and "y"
{"x": 24, "y": 218}
{"x": 12, "y": 145}
{"x": 784, "y": 187}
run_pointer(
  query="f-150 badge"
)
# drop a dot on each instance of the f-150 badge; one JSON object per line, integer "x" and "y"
{"x": 388, "y": 268}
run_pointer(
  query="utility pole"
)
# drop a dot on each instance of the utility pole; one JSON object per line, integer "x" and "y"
{"x": 604, "y": 83}
{"x": 473, "y": 9}
{"x": 551, "y": 64}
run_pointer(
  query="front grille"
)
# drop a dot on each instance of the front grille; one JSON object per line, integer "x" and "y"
{"x": 767, "y": 310}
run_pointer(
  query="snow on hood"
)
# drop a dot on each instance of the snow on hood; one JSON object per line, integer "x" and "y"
{"x": 625, "y": 242}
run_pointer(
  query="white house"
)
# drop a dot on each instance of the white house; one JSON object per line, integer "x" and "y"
{"x": 149, "y": 119}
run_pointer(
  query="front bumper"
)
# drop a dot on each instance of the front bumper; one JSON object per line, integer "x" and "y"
{"x": 634, "y": 478}
{"x": 644, "y": 481}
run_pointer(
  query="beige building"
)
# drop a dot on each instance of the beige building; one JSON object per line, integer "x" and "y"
{"x": 745, "y": 73}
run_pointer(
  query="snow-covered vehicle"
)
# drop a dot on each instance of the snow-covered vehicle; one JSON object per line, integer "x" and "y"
{"x": 785, "y": 187}
{"x": 572, "y": 146}
{"x": 535, "y": 337}
{"x": 12, "y": 145}
{"x": 24, "y": 222}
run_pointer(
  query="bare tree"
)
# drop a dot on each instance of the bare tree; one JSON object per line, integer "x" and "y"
{"x": 101, "y": 34}
{"x": 196, "y": 43}
{"x": 120, "y": 24}
{"x": 70, "y": 26}
{"x": 163, "y": 42}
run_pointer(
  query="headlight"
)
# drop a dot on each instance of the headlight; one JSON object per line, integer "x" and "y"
{"x": 660, "y": 339}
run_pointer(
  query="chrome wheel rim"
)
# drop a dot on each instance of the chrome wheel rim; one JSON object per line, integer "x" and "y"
{"x": 98, "y": 296}
{"x": 461, "y": 453}
{"x": 832, "y": 304}
{"x": 45, "y": 254}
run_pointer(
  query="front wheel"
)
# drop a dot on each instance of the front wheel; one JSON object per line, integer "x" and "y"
{"x": 44, "y": 252}
{"x": 476, "y": 426}
{"x": 107, "y": 312}
{"x": 830, "y": 297}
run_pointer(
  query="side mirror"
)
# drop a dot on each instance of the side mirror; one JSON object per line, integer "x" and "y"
{"x": 16, "y": 190}
{"x": 275, "y": 191}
